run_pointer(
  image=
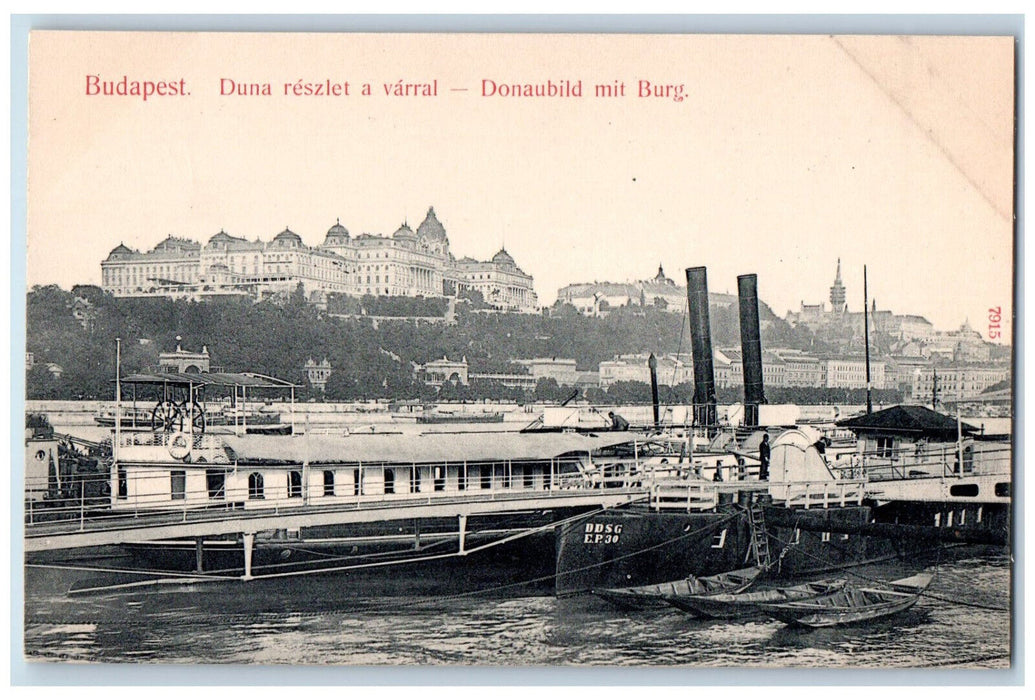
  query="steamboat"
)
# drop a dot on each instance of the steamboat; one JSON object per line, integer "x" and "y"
{"x": 191, "y": 502}
{"x": 910, "y": 481}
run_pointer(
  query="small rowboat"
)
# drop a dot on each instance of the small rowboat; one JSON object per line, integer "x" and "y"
{"x": 730, "y": 606}
{"x": 654, "y": 595}
{"x": 853, "y": 603}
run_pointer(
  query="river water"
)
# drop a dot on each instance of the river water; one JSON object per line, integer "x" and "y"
{"x": 963, "y": 623}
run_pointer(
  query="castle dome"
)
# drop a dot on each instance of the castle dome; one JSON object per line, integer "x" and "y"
{"x": 119, "y": 250}
{"x": 431, "y": 228}
{"x": 404, "y": 233}
{"x": 221, "y": 237}
{"x": 503, "y": 258}
{"x": 336, "y": 233}
{"x": 287, "y": 239}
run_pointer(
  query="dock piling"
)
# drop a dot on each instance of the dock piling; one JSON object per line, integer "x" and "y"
{"x": 463, "y": 533}
{"x": 249, "y": 540}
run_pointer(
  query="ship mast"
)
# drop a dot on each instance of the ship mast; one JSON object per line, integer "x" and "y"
{"x": 866, "y": 332}
{"x": 118, "y": 402}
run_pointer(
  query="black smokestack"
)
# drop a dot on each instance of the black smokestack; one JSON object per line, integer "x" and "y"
{"x": 701, "y": 344}
{"x": 750, "y": 347}
{"x": 652, "y": 362}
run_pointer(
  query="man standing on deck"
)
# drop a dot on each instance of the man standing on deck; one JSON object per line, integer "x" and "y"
{"x": 763, "y": 458}
{"x": 617, "y": 421}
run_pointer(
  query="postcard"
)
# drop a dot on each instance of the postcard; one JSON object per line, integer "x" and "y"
{"x": 520, "y": 350}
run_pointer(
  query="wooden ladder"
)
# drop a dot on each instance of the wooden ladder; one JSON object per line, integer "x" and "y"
{"x": 759, "y": 536}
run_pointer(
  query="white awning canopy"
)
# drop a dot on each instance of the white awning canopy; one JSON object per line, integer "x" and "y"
{"x": 435, "y": 448}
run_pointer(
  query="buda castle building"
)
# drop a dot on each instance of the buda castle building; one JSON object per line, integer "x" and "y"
{"x": 407, "y": 263}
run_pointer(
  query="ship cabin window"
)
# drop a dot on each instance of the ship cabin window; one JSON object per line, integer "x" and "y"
{"x": 719, "y": 539}
{"x": 216, "y": 480}
{"x": 969, "y": 490}
{"x": 123, "y": 486}
{"x": 178, "y": 477}
{"x": 440, "y": 479}
{"x": 486, "y": 478}
{"x": 294, "y": 484}
{"x": 389, "y": 481}
{"x": 328, "y": 483}
{"x": 255, "y": 486}
{"x": 885, "y": 446}
{"x": 529, "y": 479}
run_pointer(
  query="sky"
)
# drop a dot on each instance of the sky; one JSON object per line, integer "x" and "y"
{"x": 782, "y": 155}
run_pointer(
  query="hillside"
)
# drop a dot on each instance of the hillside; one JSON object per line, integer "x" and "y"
{"x": 370, "y": 359}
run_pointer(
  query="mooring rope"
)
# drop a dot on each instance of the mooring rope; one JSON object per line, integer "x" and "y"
{"x": 558, "y": 574}
{"x": 108, "y": 570}
{"x": 196, "y": 578}
{"x": 834, "y": 565}
{"x": 515, "y": 584}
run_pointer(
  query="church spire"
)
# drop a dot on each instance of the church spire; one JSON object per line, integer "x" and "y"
{"x": 837, "y": 292}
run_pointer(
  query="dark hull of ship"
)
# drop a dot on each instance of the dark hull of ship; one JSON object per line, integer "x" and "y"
{"x": 602, "y": 550}
{"x": 630, "y": 548}
{"x": 509, "y": 571}
{"x": 402, "y": 558}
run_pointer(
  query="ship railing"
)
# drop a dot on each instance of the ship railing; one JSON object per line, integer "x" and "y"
{"x": 687, "y": 497}
{"x": 142, "y": 495}
{"x": 158, "y": 447}
{"x": 624, "y": 473}
{"x": 695, "y": 495}
{"x": 940, "y": 461}
{"x": 77, "y": 516}
{"x": 818, "y": 494}
{"x": 72, "y": 498}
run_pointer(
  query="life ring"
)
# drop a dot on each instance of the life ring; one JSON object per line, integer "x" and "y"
{"x": 179, "y": 445}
